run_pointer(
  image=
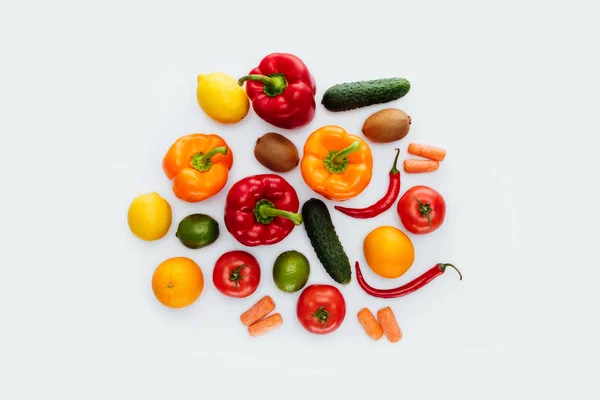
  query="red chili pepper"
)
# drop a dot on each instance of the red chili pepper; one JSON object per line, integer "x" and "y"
{"x": 282, "y": 91}
{"x": 261, "y": 209}
{"x": 384, "y": 203}
{"x": 403, "y": 290}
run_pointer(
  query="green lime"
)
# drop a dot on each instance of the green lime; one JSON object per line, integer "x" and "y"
{"x": 290, "y": 271}
{"x": 197, "y": 230}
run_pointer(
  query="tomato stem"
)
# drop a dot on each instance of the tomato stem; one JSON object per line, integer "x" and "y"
{"x": 425, "y": 209}
{"x": 236, "y": 274}
{"x": 322, "y": 314}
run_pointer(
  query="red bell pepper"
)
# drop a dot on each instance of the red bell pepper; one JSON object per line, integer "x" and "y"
{"x": 261, "y": 209}
{"x": 282, "y": 91}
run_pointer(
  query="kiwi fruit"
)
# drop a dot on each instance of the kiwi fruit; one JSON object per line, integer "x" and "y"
{"x": 276, "y": 152}
{"x": 387, "y": 125}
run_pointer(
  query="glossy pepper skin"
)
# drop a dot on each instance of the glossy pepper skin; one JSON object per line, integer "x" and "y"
{"x": 382, "y": 204}
{"x": 282, "y": 91}
{"x": 261, "y": 209}
{"x": 335, "y": 164}
{"x": 412, "y": 286}
{"x": 199, "y": 166}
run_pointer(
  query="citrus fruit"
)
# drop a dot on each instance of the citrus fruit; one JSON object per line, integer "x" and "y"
{"x": 221, "y": 98}
{"x": 197, "y": 230}
{"x": 388, "y": 251}
{"x": 149, "y": 216}
{"x": 290, "y": 271}
{"x": 177, "y": 282}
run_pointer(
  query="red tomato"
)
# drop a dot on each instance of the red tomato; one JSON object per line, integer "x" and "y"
{"x": 421, "y": 209}
{"x": 236, "y": 274}
{"x": 321, "y": 309}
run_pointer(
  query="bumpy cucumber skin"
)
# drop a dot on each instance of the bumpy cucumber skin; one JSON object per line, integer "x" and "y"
{"x": 348, "y": 96}
{"x": 325, "y": 242}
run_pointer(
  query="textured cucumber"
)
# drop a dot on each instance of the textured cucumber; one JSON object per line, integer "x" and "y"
{"x": 348, "y": 96}
{"x": 324, "y": 239}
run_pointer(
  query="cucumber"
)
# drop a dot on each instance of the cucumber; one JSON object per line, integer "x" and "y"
{"x": 324, "y": 239}
{"x": 348, "y": 96}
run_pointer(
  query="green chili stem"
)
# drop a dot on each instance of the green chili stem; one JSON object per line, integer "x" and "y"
{"x": 394, "y": 169}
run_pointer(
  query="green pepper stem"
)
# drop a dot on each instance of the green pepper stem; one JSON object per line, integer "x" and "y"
{"x": 215, "y": 151}
{"x": 336, "y": 162}
{"x": 265, "y": 211}
{"x": 202, "y": 162}
{"x": 338, "y": 157}
{"x": 274, "y": 212}
{"x": 394, "y": 169}
{"x": 274, "y": 84}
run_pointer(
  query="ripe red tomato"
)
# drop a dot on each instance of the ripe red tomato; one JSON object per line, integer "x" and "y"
{"x": 421, "y": 209}
{"x": 236, "y": 274}
{"x": 321, "y": 309}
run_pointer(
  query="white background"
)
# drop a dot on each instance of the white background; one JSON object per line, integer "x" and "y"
{"x": 93, "y": 93}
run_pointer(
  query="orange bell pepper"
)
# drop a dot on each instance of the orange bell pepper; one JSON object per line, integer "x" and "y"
{"x": 335, "y": 164}
{"x": 199, "y": 166}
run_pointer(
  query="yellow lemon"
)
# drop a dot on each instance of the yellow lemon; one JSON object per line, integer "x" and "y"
{"x": 149, "y": 216}
{"x": 221, "y": 98}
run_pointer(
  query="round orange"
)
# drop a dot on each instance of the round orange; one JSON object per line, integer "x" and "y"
{"x": 177, "y": 282}
{"x": 388, "y": 251}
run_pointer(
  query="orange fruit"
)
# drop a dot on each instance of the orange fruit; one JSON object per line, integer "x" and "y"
{"x": 177, "y": 282}
{"x": 388, "y": 251}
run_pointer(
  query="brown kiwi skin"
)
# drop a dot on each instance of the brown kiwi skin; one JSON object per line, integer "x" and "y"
{"x": 387, "y": 125}
{"x": 276, "y": 152}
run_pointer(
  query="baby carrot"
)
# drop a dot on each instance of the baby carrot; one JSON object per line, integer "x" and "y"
{"x": 417, "y": 166}
{"x": 423, "y": 150}
{"x": 370, "y": 324}
{"x": 257, "y": 311}
{"x": 389, "y": 324}
{"x": 265, "y": 325}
